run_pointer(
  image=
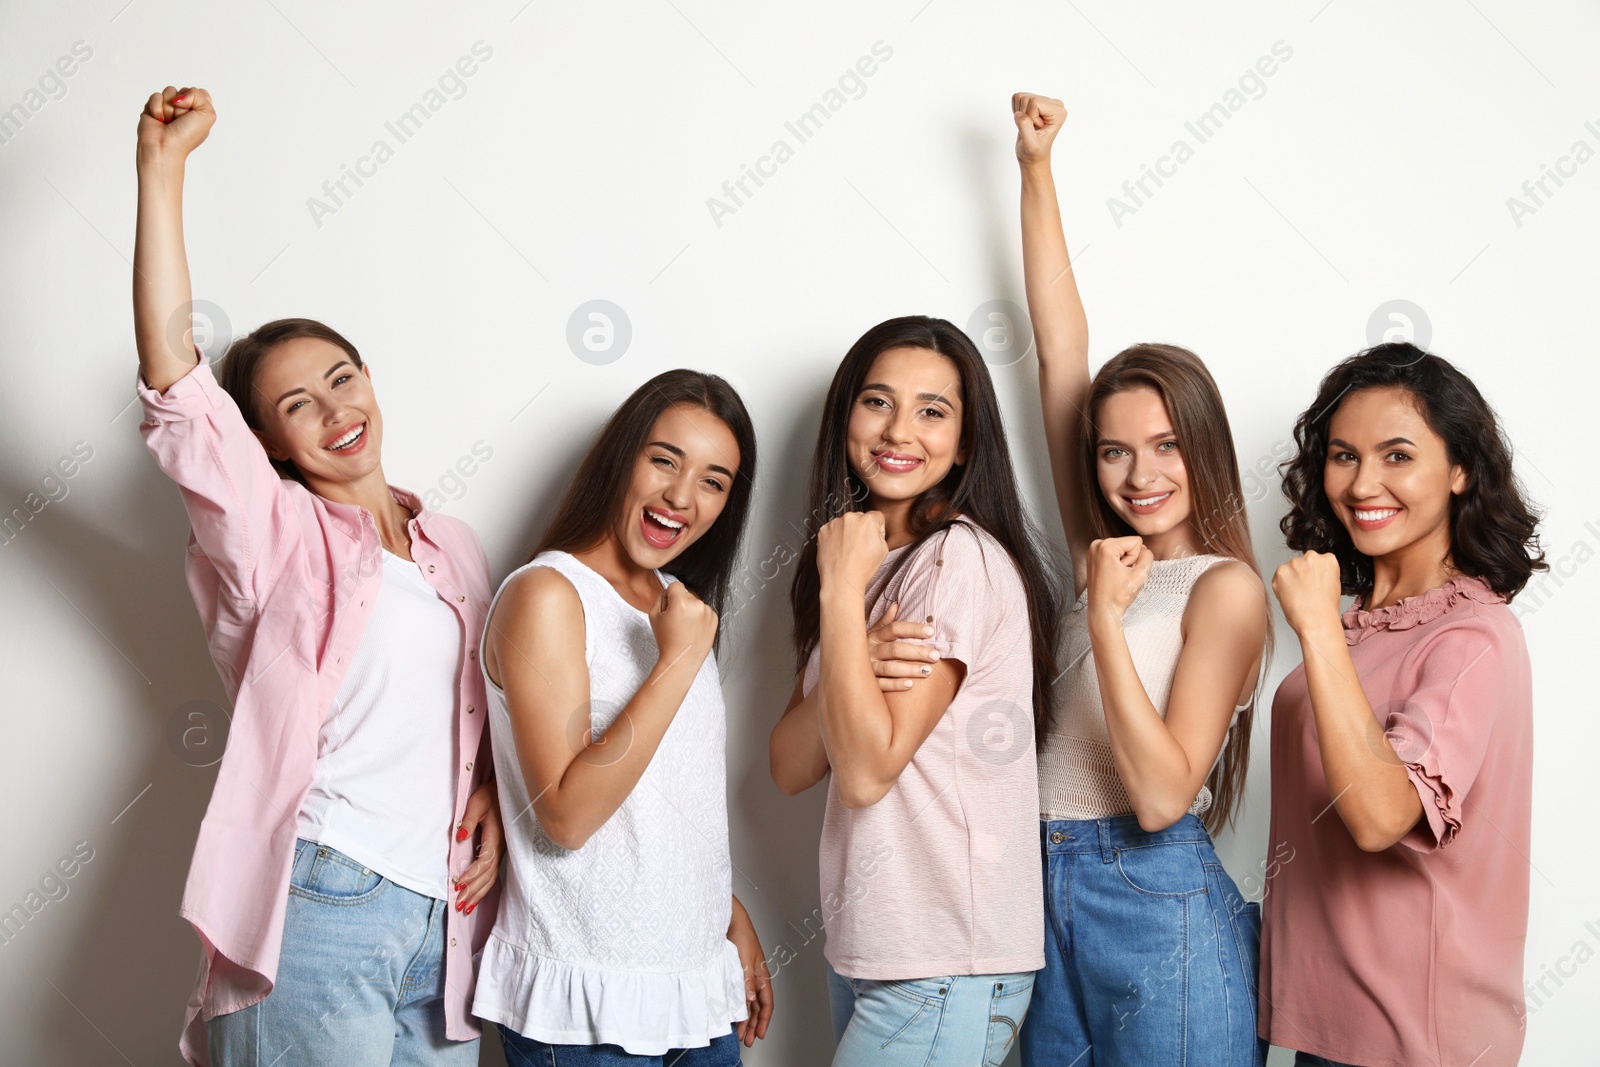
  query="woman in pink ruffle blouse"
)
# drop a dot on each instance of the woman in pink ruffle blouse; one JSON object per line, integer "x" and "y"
{"x": 1402, "y": 748}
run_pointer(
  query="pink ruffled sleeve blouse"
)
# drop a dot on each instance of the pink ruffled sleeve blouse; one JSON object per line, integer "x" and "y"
{"x": 1409, "y": 957}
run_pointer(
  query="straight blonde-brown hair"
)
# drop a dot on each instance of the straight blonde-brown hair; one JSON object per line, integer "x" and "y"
{"x": 1200, "y": 423}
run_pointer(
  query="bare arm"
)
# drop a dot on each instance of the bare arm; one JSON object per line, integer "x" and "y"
{"x": 173, "y": 124}
{"x": 1163, "y": 762}
{"x": 1060, "y": 328}
{"x": 1372, "y": 789}
{"x": 536, "y": 654}
{"x": 796, "y": 754}
{"x": 869, "y": 735}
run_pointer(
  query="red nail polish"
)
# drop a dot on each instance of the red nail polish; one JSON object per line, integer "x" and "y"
{"x": 461, "y": 833}
{"x": 458, "y": 905}
{"x": 459, "y": 885}
{"x": 180, "y": 98}
{"x": 470, "y": 907}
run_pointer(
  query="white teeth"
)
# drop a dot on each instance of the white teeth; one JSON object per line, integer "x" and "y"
{"x": 1140, "y": 502}
{"x": 1376, "y": 515}
{"x": 348, "y": 439}
{"x": 671, "y": 524}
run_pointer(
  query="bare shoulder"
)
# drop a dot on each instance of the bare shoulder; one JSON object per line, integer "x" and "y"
{"x": 1229, "y": 594}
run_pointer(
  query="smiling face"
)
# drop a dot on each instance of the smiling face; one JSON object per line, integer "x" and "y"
{"x": 904, "y": 433}
{"x": 1388, "y": 476}
{"x": 681, "y": 481}
{"x": 317, "y": 410}
{"x": 1139, "y": 467}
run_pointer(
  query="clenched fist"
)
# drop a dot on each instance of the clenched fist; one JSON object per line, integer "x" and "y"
{"x": 1038, "y": 119}
{"x": 176, "y": 121}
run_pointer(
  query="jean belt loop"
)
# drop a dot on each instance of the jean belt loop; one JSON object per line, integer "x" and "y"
{"x": 1107, "y": 840}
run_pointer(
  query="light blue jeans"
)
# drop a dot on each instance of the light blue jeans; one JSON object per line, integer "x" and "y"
{"x": 1150, "y": 952}
{"x": 360, "y": 978}
{"x": 968, "y": 1020}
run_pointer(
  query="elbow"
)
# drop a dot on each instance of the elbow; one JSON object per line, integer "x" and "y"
{"x": 1376, "y": 838}
{"x": 790, "y": 779}
{"x": 564, "y": 832}
{"x": 1153, "y": 818}
{"x": 856, "y": 793}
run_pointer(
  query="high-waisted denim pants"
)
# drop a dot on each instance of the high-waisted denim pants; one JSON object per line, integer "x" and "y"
{"x": 1150, "y": 952}
{"x": 360, "y": 979}
{"x": 968, "y": 1020}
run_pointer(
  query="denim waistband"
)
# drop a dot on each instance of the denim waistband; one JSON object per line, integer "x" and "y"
{"x": 1107, "y": 836}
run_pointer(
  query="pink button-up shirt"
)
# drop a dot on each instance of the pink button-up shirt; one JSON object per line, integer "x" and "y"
{"x": 1409, "y": 957}
{"x": 285, "y": 582}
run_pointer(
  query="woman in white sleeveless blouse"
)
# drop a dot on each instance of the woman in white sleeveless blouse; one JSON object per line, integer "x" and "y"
{"x": 619, "y": 939}
{"x": 1150, "y": 951}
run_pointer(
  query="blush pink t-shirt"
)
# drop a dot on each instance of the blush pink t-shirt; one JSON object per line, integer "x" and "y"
{"x": 942, "y": 876}
{"x": 1409, "y": 957}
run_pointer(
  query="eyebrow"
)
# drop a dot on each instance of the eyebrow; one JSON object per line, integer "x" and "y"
{"x": 301, "y": 389}
{"x": 1152, "y": 439}
{"x": 1391, "y": 442}
{"x": 676, "y": 451}
{"x": 927, "y": 398}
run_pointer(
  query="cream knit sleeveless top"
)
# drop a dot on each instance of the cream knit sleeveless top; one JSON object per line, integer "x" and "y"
{"x": 1077, "y": 776}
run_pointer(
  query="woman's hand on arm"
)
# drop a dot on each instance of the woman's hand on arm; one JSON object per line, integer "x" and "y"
{"x": 577, "y": 781}
{"x": 173, "y": 124}
{"x": 757, "y": 976}
{"x": 797, "y": 757}
{"x": 1371, "y": 787}
{"x": 869, "y": 735}
{"x": 1060, "y": 327}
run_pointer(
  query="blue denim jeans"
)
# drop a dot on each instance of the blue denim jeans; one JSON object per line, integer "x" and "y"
{"x": 360, "y": 978}
{"x": 955, "y": 1021}
{"x": 526, "y": 1052}
{"x": 1150, "y": 952}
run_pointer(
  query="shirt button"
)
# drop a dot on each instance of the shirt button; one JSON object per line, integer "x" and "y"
{"x": 1056, "y": 837}
{"x": 471, "y": 710}
{"x": 452, "y": 942}
{"x": 469, "y": 766}
{"x": 473, "y": 654}
{"x": 461, "y": 600}
{"x": 430, "y": 568}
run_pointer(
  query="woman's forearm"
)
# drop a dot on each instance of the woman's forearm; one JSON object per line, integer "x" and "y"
{"x": 1371, "y": 787}
{"x": 852, "y": 715}
{"x": 1154, "y": 767}
{"x": 161, "y": 292}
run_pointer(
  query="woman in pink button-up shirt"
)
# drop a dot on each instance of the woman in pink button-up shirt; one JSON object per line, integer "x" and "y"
{"x": 1402, "y": 749}
{"x": 294, "y": 534}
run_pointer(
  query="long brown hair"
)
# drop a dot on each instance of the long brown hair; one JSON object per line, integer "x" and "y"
{"x": 241, "y": 366}
{"x": 1217, "y": 512}
{"x": 982, "y": 491}
{"x": 590, "y": 509}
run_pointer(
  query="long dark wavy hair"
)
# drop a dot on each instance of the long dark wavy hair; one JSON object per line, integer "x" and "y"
{"x": 241, "y": 366}
{"x": 1493, "y": 527}
{"x": 592, "y": 506}
{"x": 981, "y": 491}
{"x": 1218, "y": 515}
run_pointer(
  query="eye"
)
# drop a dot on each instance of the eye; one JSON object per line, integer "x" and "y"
{"x": 664, "y": 461}
{"x": 341, "y": 379}
{"x": 1341, "y": 456}
{"x": 932, "y": 412}
{"x": 874, "y": 402}
{"x": 291, "y": 408}
{"x": 1397, "y": 457}
{"x": 1167, "y": 446}
{"x": 1113, "y": 453}
{"x": 716, "y": 486}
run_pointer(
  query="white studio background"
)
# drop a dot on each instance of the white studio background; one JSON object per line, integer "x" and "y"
{"x": 575, "y": 164}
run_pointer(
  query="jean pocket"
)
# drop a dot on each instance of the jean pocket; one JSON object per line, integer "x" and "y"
{"x": 1162, "y": 870}
{"x": 331, "y": 877}
{"x": 1008, "y": 1005}
{"x": 895, "y": 1009}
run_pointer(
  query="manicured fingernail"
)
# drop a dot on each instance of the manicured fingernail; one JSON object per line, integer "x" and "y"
{"x": 461, "y": 833}
{"x": 470, "y": 907}
{"x": 180, "y": 98}
{"x": 458, "y": 905}
{"x": 460, "y": 886}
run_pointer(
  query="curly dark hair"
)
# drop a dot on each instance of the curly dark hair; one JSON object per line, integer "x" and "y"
{"x": 1493, "y": 527}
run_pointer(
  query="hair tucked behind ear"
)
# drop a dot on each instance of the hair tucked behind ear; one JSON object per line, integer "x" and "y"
{"x": 1493, "y": 527}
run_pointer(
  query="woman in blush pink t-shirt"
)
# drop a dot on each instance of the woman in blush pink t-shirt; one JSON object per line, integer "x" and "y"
{"x": 1402, "y": 748}
{"x": 930, "y": 868}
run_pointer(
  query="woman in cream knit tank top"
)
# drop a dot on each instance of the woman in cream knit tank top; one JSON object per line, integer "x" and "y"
{"x": 1077, "y": 772}
{"x": 1150, "y": 951}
